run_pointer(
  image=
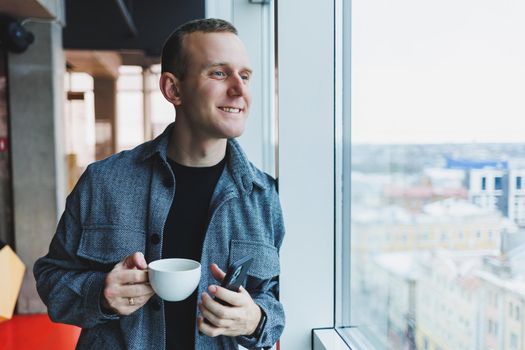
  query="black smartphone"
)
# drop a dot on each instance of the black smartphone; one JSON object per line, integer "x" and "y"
{"x": 235, "y": 277}
{"x": 236, "y": 274}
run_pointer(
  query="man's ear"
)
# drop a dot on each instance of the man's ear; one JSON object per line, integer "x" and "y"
{"x": 170, "y": 87}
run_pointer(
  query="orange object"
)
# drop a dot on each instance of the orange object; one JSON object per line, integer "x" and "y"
{"x": 11, "y": 273}
{"x": 30, "y": 332}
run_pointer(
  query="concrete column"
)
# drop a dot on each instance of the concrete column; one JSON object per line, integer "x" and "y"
{"x": 146, "y": 96}
{"x": 105, "y": 90}
{"x": 37, "y": 140}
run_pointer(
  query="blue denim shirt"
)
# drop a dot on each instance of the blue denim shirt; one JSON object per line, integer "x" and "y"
{"x": 120, "y": 206}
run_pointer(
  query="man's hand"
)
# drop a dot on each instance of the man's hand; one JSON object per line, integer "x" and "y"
{"x": 126, "y": 288}
{"x": 241, "y": 317}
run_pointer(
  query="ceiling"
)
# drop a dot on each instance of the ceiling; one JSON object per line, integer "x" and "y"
{"x": 95, "y": 63}
{"x": 134, "y": 28}
{"x": 26, "y": 8}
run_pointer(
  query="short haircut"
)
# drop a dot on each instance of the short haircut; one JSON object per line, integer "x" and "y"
{"x": 174, "y": 58}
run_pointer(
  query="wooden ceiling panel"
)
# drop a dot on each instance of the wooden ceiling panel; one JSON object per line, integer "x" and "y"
{"x": 25, "y": 8}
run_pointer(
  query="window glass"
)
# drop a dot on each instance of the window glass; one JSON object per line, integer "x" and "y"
{"x": 130, "y": 107}
{"x": 497, "y": 183}
{"x": 436, "y": 220}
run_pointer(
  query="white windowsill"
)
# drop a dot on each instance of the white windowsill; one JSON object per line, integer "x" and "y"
{"x": 330, "y": 339}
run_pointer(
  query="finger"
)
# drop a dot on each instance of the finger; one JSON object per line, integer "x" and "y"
{"x": 208, "y": 329}
{"x": 135, "y": 260}
{"x": 138, "y": 301}
{"x": 135, "y": 290}
{"x": 243, "y": 291}
{"x": 217, "y": 273}
{"x": 122, "y": 305}
{"x": 232, "y": 298}
{"x": 140, "y": 261}
{"x": 214, "y": 307}
{"x": 216, "y": 321}
{"x": 130, "y": 277}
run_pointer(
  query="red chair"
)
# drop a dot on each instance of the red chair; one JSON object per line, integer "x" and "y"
{"x": 29, "y": 332}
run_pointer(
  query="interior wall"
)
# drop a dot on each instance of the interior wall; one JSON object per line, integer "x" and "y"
{"x": 306, "y": 166}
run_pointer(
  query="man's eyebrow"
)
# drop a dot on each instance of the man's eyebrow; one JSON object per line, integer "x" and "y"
{"x": 223, "y": 64}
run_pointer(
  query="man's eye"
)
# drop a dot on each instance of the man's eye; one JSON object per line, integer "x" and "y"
{"x": 218, "y": 74}
{"x": 245, "y": 77}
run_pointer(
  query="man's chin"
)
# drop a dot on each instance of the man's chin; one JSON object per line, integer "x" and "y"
{"x": 233, "y": 133}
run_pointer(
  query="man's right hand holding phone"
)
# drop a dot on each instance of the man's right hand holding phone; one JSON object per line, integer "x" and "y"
{"x": 240, "y": 317}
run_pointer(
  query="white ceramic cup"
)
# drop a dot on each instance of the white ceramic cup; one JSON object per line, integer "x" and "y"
{"x": 174, "y": 279}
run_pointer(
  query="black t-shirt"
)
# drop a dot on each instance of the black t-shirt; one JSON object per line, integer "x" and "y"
{"x": 184, "y": 234}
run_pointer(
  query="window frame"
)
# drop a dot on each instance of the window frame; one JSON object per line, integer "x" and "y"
{"x": 342, "y": 171}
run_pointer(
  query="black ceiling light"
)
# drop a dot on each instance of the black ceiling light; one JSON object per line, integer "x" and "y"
{"x": 13, "y": 36}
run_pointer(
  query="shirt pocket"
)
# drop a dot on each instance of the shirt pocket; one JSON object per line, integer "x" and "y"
{"x": 105, "y": 246}
{"x": 265, "y": 259}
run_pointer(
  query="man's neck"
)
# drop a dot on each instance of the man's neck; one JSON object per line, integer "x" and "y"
{"x": 189, "y": 151}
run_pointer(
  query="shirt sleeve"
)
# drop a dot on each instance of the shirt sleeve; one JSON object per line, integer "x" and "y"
{"x": 70, "y": 288}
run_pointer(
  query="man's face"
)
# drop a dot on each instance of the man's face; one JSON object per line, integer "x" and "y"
{"x": 215, "y": 98}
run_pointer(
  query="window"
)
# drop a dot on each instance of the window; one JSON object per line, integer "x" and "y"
{"x": 417, "y": 158}
{"x": 497, "y": 183}
{"x": 130, "y": 107}
{"x": 513, "y": 341}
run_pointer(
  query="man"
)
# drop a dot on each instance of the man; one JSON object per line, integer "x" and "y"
{"x": 189, "y": 193}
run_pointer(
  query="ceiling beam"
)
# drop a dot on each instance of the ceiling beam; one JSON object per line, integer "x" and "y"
{"x": 95, "y": 63}
{"x": 124, "y": 11}
{"x": 24, "y": 9}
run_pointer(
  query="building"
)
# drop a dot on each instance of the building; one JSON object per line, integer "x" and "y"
{"x": 449, "y": 224}
{"x": 448, "y": 293}
{"x": 516, "y": 196}
{"x": 487, "y": 188}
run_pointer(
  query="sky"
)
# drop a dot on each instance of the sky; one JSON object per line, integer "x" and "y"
{"x": 438, "y": 71}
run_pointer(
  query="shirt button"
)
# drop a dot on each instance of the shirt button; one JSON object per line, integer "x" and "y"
{"x": 154, "y": 238}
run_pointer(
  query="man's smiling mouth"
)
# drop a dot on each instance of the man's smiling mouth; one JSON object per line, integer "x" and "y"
{"x": 231, "y": 109}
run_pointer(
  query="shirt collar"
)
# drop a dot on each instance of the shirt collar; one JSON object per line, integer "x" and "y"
{"x": 241, "y": 170}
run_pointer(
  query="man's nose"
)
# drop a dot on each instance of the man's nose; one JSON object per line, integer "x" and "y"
{"x": 237, "y": 86}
